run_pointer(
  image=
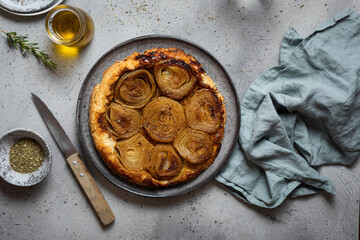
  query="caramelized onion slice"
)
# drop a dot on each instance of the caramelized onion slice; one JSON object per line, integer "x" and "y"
{"x": 193, "y": 145}
{"x": 174, "y": 78}
{"x": 203, "y": 111}
{"x": 135, "y": 153}
{"x": 165, "y": 162}
{"x": 135, "y": 89}
{"x": 163, "y": 118}
{"x": 121, "y": 121}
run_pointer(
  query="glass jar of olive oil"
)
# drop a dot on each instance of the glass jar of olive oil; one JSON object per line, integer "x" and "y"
{"x": 71, "y": 26}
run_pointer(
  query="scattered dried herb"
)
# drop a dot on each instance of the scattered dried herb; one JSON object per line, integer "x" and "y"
{"x": 26, "y": 156}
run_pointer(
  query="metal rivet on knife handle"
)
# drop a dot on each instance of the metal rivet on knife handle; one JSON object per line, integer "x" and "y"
{"x": 75, "y": 162}
{"x": 91, "y": 189}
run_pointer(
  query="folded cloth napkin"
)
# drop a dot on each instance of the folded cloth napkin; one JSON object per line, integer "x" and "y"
{"x": 298, "y": 115}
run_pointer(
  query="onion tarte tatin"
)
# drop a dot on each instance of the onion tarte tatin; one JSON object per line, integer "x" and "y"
{"x": 156, "y": 118}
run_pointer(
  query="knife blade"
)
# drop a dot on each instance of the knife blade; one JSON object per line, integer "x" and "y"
{"x": 75, "y": 162}
{"x": 61, "y": 139}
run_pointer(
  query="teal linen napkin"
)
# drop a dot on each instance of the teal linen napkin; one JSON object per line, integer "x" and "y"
{"x": 299, "y": 115}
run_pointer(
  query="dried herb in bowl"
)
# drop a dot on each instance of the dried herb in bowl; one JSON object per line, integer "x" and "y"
{"x": 26, "y": 156}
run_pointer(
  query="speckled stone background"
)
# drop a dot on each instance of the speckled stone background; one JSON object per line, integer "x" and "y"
{"x": 245, "y": 36}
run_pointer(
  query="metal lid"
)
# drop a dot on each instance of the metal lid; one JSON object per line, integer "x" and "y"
{"x": 28, "y": 7}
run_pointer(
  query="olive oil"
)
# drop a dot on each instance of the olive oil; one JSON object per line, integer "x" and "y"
{"x": 66, "y": 25}
{"x": 70, "y": 26}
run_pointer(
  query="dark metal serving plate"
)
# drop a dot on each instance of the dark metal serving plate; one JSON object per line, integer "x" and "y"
{"x": 213, "y": 68}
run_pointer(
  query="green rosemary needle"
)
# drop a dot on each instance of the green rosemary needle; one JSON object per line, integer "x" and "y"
{"x": 31, "y": 48}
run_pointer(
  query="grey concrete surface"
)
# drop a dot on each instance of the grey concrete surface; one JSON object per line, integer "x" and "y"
{"x": 245, "y": 36}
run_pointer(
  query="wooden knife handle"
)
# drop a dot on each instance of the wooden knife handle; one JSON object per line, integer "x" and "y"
{"x": 90, "y": 188}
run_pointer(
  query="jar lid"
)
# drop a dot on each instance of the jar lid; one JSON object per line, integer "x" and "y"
{"x": 28, "y": 7}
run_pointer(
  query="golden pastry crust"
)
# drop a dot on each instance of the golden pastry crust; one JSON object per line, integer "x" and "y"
{"x": 103, "y": 95}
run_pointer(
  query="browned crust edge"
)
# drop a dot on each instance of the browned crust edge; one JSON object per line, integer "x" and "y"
{"x": 102, "y": 96}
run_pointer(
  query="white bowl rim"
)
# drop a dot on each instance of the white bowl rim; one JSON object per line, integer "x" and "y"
{"x": 21, "y": 179}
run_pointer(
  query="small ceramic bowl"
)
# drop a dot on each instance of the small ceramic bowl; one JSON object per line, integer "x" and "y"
{"x": 9, "y": 174}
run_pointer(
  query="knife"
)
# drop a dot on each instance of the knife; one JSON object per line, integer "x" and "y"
{"x": 76, "y": 164}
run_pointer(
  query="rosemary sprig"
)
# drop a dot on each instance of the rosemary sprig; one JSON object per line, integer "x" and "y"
{"x": 31, "y": 48}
